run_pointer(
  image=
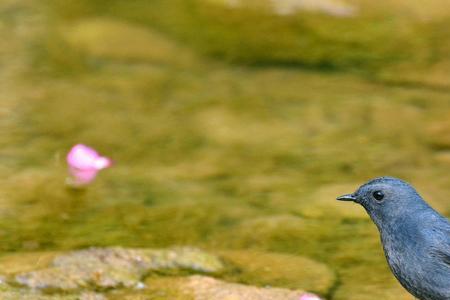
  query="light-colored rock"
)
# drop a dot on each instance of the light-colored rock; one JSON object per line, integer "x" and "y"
{"x": 92, "y": 296}
{"x": 335, "y": 8}
{"x": 13, "y": 293}
{"x": 330, "y": 7}
{"x": 206, "y": 288}
{"x": 115, "y": 267}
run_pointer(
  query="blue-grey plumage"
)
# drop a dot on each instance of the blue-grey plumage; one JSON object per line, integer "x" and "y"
{"x": 415, "y": 238}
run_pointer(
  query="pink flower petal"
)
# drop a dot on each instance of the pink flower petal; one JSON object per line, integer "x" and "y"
{"x": 102, "y": 163}
{"x": 84, "y": 164}
{"x": 82, "y": 157}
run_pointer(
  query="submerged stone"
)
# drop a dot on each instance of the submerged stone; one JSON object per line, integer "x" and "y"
{"x": 79, "y": 272}
{"x": 274, "y": 232}
{"x": 113, "y": 39}
{"x": 206, "y": 288}
{"x": 13, "y": 293}
{"x": 92, "y": 296}
{"x": 280, "y": 270}
{"x": 335, "y": 8}
{"x": 115, "y": 267}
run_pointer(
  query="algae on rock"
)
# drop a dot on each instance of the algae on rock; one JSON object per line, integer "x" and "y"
{"x": 280, "y": 270}
{"x": 115, "y": 267}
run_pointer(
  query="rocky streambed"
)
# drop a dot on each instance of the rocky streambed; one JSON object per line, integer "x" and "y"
{"x": 174, "y": 273}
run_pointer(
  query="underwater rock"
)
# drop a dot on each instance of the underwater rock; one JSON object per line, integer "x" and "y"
{"x": 106, "y": 268}
{"x": 334, "y": 8}
{"x": 112, "y": 39}
{"x": 92, "y": 296}
{"x": 262, "y": 232}
{"x": 13, "y": 293}
{"x": 206, "y": 288}
{"x": 283, "y": 270}
{"x": 13, "y": 264}
{"x": 115, "y": 267}
{"x": 323, "y": 203}
{"x": 282, "y": 233}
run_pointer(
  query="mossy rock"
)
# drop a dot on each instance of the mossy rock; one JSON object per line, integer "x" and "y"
{"x": 281, "y": 233}
{"x": 113, "y": 39}
{"x": 264, "y": 232}
{"x": 157, "y": 288}
{"x": 16, "y": 263}
{"x": 280, "y": 270}
{"x": 104, "y": 268}
{"x": 13, "y": 293}
{"x": 203, "y": 288}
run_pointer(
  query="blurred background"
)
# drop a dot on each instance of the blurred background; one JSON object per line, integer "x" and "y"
{"x": 233, "y": 125}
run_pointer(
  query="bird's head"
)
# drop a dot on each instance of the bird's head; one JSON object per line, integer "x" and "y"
{"x": 386, "y": 199}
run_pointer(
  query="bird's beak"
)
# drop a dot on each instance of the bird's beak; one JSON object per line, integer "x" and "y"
{"x": 348, "y": 197}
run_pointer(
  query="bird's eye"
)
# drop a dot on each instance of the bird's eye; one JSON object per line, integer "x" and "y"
{"x": 378, "y": 195}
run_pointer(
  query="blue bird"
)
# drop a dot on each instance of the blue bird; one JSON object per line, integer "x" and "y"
{"x": 415, "y": 238}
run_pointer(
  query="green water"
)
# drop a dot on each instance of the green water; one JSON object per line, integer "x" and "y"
{"x": 215, "y": 145}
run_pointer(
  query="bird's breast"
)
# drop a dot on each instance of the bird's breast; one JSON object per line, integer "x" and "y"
{"x": 407, "y": 256}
